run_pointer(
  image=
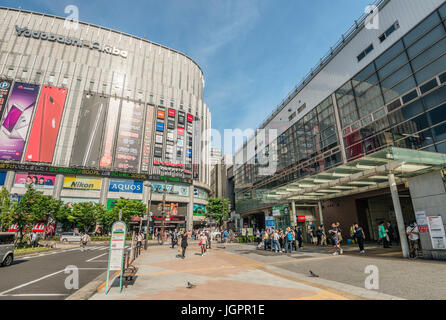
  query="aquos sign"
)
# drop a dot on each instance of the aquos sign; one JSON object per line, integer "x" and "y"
{"x": 127, "y": 186}
{"x": 93, "y": 45}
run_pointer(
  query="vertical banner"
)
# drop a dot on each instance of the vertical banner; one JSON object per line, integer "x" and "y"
{"x": 196, "y": 149}
{"x": 110, "y": 133}
{"x": 16, "y": 120}
{"x": 86, "y": 149}
{"x": 43, "y": 137}
{"x": 147, "y": 139}
{"x": 128, "y": 146}
{"x": 116, "y": 251}
{"x": 5, "y": 88}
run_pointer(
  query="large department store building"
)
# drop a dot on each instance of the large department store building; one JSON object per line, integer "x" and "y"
{"x": 362, "y": 138}
{"x": 93, "y": 114}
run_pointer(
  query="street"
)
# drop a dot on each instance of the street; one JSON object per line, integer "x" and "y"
{"x": 43, "y": 277}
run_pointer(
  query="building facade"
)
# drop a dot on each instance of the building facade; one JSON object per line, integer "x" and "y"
{"x": 381, "y": 86}
{"x": 94, "y": 114}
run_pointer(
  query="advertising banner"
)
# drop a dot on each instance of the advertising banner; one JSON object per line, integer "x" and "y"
{"x": 38, "y": 181}
{"x": 127, "y": 186}
{"x": 438, "y": 236}
{"x": 200, "y": 193}
{"x": 199, "y": 210}
{"x": 87, "y": 145}
{"x": 5, "y": 88}
{"x": 45, "y": 129}
{"x": 147, "y": 139}
{"x": 171, "y": 113}
{"x": 82, "y": 183}
{"x": 196, "y": 149}
{"x": 181, "y": 117}
{"x": 16, "y": 120}
{"x": 128, "y": 146}
{"x": 2, "y": 178}
{"x": 116, "y": 251}
{"x": 110, "y": 133}
{"x": 71, "y": 201}
{"x": 181, "y": 190}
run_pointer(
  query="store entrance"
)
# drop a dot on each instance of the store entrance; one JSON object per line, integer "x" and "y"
{"x": 372, "y": 211}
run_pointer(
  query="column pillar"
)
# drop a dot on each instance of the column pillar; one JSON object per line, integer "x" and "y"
{"x": 293, "y": 213}
{"x": 9, "y": 180}
{"x": 104, "y": 191}
{"x": 190, "y": 210}
{"x": 321, "y": 214}
{"x": 58, "y": 185}
{"x": 399, "y": 215}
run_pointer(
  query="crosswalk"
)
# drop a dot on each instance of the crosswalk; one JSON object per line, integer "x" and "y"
{"x": 87, "y": 248}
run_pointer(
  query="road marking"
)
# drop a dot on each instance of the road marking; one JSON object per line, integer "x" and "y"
{"x": 36, "y": 295}
{"x": 31, "y": 282}
{"x": 90, "y": 260}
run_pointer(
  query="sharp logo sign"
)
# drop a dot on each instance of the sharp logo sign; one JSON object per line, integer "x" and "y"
{"x": 93, "y": 45}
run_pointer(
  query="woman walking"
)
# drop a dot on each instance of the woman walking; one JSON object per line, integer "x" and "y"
{"x": 203, "y": 243}
{"x": 184, "y": 244}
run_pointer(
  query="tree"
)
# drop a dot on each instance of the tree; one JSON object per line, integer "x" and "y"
{"x": 217, "y": 209}
{"x": 130, "y": 208}
{"x": 86, "y": 214}
{"x": 6, "y": 210}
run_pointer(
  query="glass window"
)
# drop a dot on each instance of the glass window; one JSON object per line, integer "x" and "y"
{"x": 400, "y": 89}
{"x": 440, "y": 132}
{"x": 394, "y": 105}
{"x": 422, "y": 28}
{"x": 364, "y": 74}
{"x": 442, "y": 11}
{"x": 380, "y": 113}
{"x": 435, "y": 98}
{"x": 389, "y": 54}
{"x": 428, "y": 86}
{"x": 437, "y": 115}
{"x": 371, "y": 105}
{"x": 431, "y": 70}
{"x": 429, "y": 55}
{"x": 393, "y": 65}
{"x": 426, "y": 41}
{"x": 410, "y": 96}
{"x": 443, "y": 78}
{"x": 396, "y": 77}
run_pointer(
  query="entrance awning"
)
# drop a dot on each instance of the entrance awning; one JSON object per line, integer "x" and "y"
{"x": 366, "y": 174}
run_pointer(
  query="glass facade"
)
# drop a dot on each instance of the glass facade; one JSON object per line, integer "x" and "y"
{"x": 398, "y": 100}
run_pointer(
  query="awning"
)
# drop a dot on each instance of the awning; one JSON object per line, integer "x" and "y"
{"x": 366, "y": 174}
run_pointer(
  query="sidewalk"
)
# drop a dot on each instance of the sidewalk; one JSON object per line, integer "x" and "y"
{"x": 220, "y": 275}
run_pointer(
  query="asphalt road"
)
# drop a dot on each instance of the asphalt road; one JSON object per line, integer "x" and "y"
{"x": 43, "y": 276}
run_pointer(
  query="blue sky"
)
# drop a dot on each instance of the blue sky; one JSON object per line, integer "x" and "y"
{"x": 252, "y": 52}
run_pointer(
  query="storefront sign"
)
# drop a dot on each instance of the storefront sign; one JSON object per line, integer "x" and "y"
{"x": 127, "y": 186}
{"x": 82, "y": 183}
{"x": 270, "y": 222}
{"x": 301, "y": 218}
{"x": 199, "y": 210}
{"x": 26, "y": 179}
{"x": 93, "y": 45}
{"x": 70, "y": 201}
{"x": 181, "y": 190}
{"x": 437, "y": 233}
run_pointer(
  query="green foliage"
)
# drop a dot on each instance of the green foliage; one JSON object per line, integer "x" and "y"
{"x": 7, "y": 208}
{"x": 218, "y": 209}
{"x": 130, "y": 208}
{"x": 85, "y": 214}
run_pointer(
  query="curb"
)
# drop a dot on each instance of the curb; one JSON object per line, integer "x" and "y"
{"x": 89, "y": 289}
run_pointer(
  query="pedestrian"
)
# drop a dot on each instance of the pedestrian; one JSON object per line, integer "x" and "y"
{"x": 184, "y": 243}
{"x": 300, "y": 237}
{"x": 173, "y": 238}
{"x": 139, "y": 242}
{"x": 276, "y": 241}
{"x": 289, "y": 240}
{"x": 382, "y": 235}
{"x": 319, "y": 235}
{"x": 390, "y": 233}
{"x": 208, "y": 236}
{"x": 413, "y": 234}
{"x": 352, "y": 233}
{"x": 258, "y": 239}
{"x": 340, "y": 239}
{"x": 359, "y": 236}
{"x": 324, "y": 236}
{"x": 266, "y": 239}
{"x": 282, "y": 240}
{"x": 203, "y": 243}
{"x": 334, "y": 239}
{"x": 225, "y": 238}
{"x": 247, "y": 235}
{"x": 84, "y": 240}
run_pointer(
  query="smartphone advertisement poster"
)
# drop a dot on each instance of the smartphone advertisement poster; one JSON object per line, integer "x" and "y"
{"x": 5, "y": 89}
{"x": 16, "y": 120}
{"x": 43, "y": 137}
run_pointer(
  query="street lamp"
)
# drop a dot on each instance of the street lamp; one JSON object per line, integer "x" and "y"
{"x": 147, "y": 184}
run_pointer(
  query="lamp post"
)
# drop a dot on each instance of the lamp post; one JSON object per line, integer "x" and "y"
{"x": 148, "y": 185}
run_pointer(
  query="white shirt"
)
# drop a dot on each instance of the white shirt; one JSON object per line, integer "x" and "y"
{"x": 413, "y": 237}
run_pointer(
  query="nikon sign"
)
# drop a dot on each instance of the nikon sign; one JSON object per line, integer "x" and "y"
{"x": 93, "y": 45}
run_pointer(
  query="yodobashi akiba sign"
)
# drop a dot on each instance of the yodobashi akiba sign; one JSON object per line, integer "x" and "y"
{"x": 93, "y": 45}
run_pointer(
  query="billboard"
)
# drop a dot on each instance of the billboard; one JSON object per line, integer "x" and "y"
{"x": 110, "y": 133}
{"x": 196, "y": 149}
{"x": 46, "y": 124}
{"x": 91, "y": 122}
{"x": 147, "y": 139}
{"x": 5, "y": 88}
{"x": 199, "y": 210}
{"x": 71, "y": 201}
{"x": 2, "y": 178}
{"x": 128, "y": 145}
{"x": 38, "y": 181}
{"x": 127, "y": 186}
{"x": 82, "y": 183}
{"x": 16, "y": 120}
{"x": 181, "y": 190}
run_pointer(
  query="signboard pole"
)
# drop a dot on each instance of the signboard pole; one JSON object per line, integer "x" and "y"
{"x": 116, "y": 252}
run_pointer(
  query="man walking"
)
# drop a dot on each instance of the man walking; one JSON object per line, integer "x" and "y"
{"x": 173, "y": 238}
{"x": 184, "y": 244}
{"x": 84, "y": 240}
{"x": 359, "y": 236}
{"x": 289, "y": 240}
{"x": 390, "y": 233}
{"x": 208, "y": 236}
{"x": 276, "y": 241}
{"x": 225, "y": 238}
{"x": 414, "y": 235}
{"x": 299, "y": 237}
{"x": 266, "y": 239}
{"x": 334, "y": 238}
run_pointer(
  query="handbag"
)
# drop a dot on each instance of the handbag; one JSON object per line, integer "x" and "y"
{"x": 199, "y": 244}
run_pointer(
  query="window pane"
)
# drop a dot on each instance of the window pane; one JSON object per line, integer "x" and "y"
{"x": 389, "y": 54}
{"x": 431, "y": 70}
{"x": 422, "y": 28}
{"x": 393, "y": 65}
{"x": 396, "y": 77}
{"x": 440, "y": 132}
{"x": 437, "y": 115}
{"x": 364, "y": 74}
{"x": 443, "y": 11}
{"x": 400, "y": 89}
{"x": 426, "y": 41}
{"x": 429, "y": 55}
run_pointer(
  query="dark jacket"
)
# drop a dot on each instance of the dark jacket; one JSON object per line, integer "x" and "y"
{"x": 184, "y": 240}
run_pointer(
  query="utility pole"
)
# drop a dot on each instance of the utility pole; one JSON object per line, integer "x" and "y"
{"x": 148, "y": 185}
{"x": 163, "y": 211}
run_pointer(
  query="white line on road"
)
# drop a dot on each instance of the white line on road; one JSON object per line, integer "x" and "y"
{"x": 35, "y": 295}
{"x": 31, "y": 282}
{"x": 90, "y": 260}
